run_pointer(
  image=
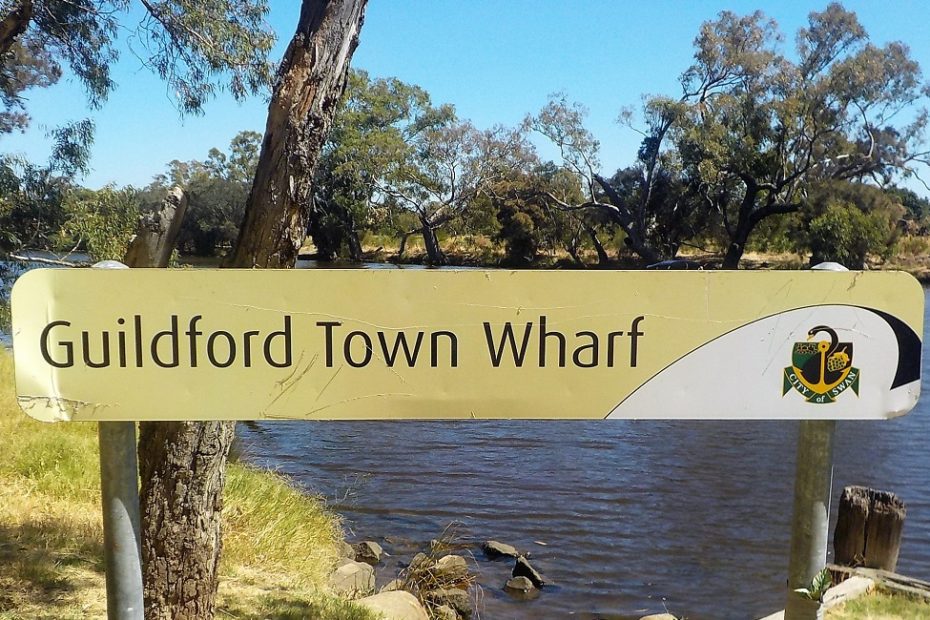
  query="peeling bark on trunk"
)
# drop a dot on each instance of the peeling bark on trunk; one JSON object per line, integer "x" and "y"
{"x": 310, "y": 83}
{"x": 183, "y": 465}
{"x": 183, "y": 469}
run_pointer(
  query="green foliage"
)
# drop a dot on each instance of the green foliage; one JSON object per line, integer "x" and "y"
{"x": 755, "y": 128}
{"x": 846, "y": 222}
{"x": 101, "y": 222}
{"x": 370, "y": 147}
{"x": 217, "y": 190}
{"x": 31, "y": 200}
{"x": 529, "y": 224}
{"x": 845, "y": 235}
{"x": 191, "y": 45}
{"x": 818, "y": 586}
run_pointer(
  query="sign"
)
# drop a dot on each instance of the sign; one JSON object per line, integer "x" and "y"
{"x": 424, "y": 344}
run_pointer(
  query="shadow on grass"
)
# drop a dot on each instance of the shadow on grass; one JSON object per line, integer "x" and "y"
{"x": 34, "y": 561}
{"x": 284, "y": 606}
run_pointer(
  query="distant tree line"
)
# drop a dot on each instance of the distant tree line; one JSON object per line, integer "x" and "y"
{"x": 761, "y": 150}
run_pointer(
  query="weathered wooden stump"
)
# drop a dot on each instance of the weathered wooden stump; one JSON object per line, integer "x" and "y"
{"x": 868, "y": 528}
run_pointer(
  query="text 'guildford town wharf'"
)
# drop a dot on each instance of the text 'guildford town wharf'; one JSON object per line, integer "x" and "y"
{"x": 190, "y": 343}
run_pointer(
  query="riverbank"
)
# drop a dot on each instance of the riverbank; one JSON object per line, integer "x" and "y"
{"x": 912, "y": 255}
{"x": 280, "y": 545}
{"x": 881, "y": 606}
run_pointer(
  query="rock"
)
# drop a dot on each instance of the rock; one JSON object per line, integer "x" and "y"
{"x": 494, "y": 550}
{"x": 659, "y": 617}
{"x": 452, "y": 567}
{"x": 348, "y": 551}
{"x": 457, "y": 599}
{"x": 368, "y": 552}
{"x": 397, "y": 605}
{"x": 521, "y": 588}
{"x": 392, "y": 585}
{"x": 520, "y": 584}
{"x": 418, "y": 561}
{"x": 353, "y": 578}
{"x": 524, "y": 569}
{"x": 444, "y": 612}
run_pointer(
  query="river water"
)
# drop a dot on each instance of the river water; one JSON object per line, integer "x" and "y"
{"x": 625, "y": 517}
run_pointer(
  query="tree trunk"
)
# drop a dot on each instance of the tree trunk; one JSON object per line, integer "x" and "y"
{"x": 183, "y": 465}
{"x": 734, "y": 253}
{"x": 403, "y": 243}
{"x": 744, "y": 225}
{"x": 309, "y": 86}
{"x": 434, "y": 253}
{"x": 158, "y": 233}
{"x": 183, "y": 470}
{"x": 602, "y": 258}
{"x": 178, "y": 499}
{"x": 351, "y": 235}
{"x": 14, "y": 24}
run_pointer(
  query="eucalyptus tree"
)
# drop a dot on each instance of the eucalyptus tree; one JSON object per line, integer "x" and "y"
{"x": 756, "y": 126}
{"x": 196, "y": 47}
{"x": 183, "y": 464}
{"x": 645, "y": 200}
{"x": 216, "y": 190}
{"x": 448, "y": 168}
{"x": 373, "y": 135}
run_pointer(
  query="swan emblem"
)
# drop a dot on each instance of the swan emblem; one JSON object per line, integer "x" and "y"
{"x": 821, "y": 368}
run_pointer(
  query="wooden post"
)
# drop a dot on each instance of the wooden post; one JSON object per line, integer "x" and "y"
{"x": 868, "y": 528}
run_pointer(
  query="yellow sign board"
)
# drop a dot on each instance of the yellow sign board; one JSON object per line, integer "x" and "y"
{"x": 422, "y": 344}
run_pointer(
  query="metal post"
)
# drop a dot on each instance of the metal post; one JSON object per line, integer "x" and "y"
{"x": 122, "y": 549}
{"x": 810, "y": 525}
{"x": 813, "y": 487}
{"x": 122, "y": 531}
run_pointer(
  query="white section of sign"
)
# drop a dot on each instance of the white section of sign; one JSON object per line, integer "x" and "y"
{"x": 741, "y": 374}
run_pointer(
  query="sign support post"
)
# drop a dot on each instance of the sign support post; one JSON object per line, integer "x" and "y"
{"x": 122, "y": 549}
{"x": 122, "y": 523}
{"x": 813, "y": 486}
{"x": 810, "y": 524}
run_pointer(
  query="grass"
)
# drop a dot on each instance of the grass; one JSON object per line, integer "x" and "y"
{"x": 279, "y": 544}
{"x": 881, "y": 606}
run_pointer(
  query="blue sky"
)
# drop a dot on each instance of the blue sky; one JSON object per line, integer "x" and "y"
{"x": 495, "y": 60}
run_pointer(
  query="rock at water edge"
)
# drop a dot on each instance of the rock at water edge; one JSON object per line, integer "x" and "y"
{"x": 452, "y": 567}
{"x": 392, "y": 585}
{"x": 348, "y": 551}
{"x": 368, "y": 552}
{"x": 521, "y": 588}
{"x": 524, "y": 569}
{"x": 457, "y": 599}
{"x": 397, "y": 605}
{"x": 353, "y": 578}
{"x": 494, "y": 550}
{"x": 444, "y": 612}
